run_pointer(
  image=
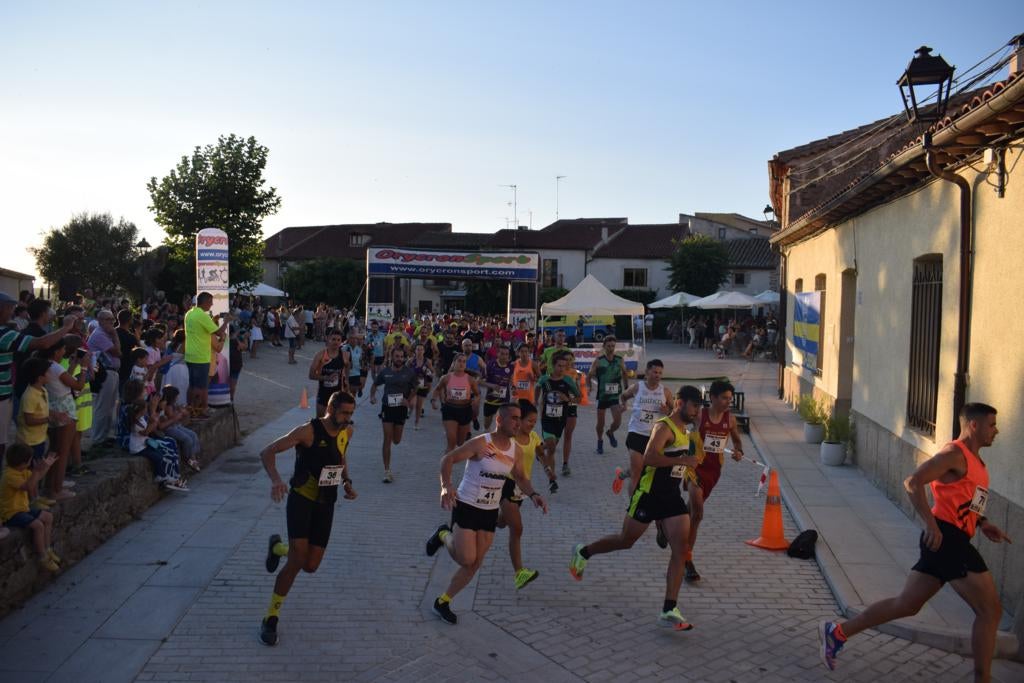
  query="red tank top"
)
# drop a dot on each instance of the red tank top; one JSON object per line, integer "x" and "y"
{"x": 963, "y": 501}
{"x": 714, "y": 434}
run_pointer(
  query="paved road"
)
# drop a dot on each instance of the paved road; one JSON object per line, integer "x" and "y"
{"x": 178, "y": 595}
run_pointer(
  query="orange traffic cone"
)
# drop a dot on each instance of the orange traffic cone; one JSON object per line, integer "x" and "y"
{"x": 772, "y": 537}
{"x": 304, "y": 399}
{"x": 581, "y": 379}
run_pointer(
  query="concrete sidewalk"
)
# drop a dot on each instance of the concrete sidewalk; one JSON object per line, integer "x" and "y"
{"x": 866, "y": 544}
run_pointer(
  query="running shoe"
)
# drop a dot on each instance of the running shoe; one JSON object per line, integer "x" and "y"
{"x": 618, "y": 481}
{"x": 388, "y": 477}
{"x": 49, "y": 565}
{"x": 674, "y": 620}
{"x": 565, "y": 470}
{"x": 525, "y": 576}
{"x": 553, "y": 486}
{"x": 268, "y": 631}
{"x": 830, "y": 643}
{"x": 578, "y": 563}
{"x": 53, "y": 555}
{"x": 600, "y": 447}
{"x": 435, "y": 542}
{"x": 692, "y": 574}
{"x": 272, "y": 559}
{"x": 661, "y": 539}
{"x": 444, "y": 610}
{"x": 612, "y": 441}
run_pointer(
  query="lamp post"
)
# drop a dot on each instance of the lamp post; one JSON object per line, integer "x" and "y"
{"x": 925, "y": 73}
{"x": 558, "y": 179}
{"x": 769, "y": 213}
{"x": 515, "y": 206}
{"x": 143, "y": 246}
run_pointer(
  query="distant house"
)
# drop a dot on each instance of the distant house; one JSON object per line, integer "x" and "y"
{"x": 893, "y": 328}
{"x": 13, "y": 282}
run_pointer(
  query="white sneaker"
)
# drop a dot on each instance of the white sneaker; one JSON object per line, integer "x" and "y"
{"x": 388, "y": 477}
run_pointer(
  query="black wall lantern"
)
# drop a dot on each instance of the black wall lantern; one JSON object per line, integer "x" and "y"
{"x": 924, "y": 74}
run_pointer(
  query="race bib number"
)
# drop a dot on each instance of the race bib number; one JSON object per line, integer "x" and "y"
{"x": 980, "y": 500}
{"x": 678, "y": 471}
{"x": 611, "y": 388}
{"x": 488, "y": 497}
{"x": 395, "y": 400}
{"x": 501, "y": 392}
{"x": 553, "y": 410}
{"x": 714, "y": 444}
{"x": 422, "y": 383}
{"x": 458, "y": 394}
{"x": 330, "y": 381}
{"x": 476, "y": 347}
{"x": 647, "y": 417}
{"x": 330, "y": 476}
{"x": 523, "y": 385}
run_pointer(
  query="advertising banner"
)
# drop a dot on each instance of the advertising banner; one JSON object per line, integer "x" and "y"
{"x": 807, "y": 326}
{"x": 424, "y": 263}
{"x": 212, "y": 267}
{"x": 381, "y": 312}
{"x": 527, "y": 314}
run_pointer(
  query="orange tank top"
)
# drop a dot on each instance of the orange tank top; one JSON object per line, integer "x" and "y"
{"x": 522, "y": 381}
{"x": 961, "y": 502}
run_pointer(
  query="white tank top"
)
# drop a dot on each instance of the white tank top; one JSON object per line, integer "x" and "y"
{"x": 484, "y": 477}
{"x": 646, "y": 408}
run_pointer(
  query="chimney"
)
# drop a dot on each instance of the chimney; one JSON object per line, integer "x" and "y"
{"x": 1017, "y": 58}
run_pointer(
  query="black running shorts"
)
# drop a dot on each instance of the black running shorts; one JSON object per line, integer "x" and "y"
{"x": 606, "y": 403}
{"x": 491, "y": 408}
{"x": 308, "y": 519}
{"x": 508, "y": 492}
{"x": 647, "y": 508}
{"x": 637, "y": 442}
{"x": 473, "y": 518}
{"x": 552, "y": 427}
{"x": 396, "y": 415}
{"x": 463, "y": 415}
{"x": 954, "y": 558}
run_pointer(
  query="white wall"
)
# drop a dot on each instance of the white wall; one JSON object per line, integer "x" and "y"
{"x": 571, "y": 265}
{"x": 610, "y": 271}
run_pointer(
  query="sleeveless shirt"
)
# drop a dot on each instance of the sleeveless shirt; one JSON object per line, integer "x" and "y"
{"x": 485, "y": 475}
{"x": 961, "y": 502}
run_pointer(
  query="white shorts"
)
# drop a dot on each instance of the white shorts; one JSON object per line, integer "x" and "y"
{"x": 255, "y": 334}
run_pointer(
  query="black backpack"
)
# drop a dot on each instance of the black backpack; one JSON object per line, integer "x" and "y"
{"x": 802, "y": 546}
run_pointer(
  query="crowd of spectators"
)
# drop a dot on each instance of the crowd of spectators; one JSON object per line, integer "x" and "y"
{"x": 751, "y": 337}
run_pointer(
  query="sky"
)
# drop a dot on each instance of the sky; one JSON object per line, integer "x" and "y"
{"x": 425, "y": 111}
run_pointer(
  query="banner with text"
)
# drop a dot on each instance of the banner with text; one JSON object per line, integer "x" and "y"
{"x": 423, "y": 263}
{"x": 807, "y": 326}
{"x": 212, "y": 267}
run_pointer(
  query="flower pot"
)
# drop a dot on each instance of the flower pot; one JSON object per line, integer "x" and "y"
{"x": 833, "y": 454}
{"x": 813, "y": 433}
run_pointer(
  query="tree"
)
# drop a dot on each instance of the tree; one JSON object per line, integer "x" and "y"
{"x": 219, "y": 186}
{"x": 549, "y": 294}
{"x": 330, "y": 280}
{"x": 698, "y": 265}
{"x": 641, "y": 296}
{"x": 90, "y": 251}
{"x": 487, "y": 297}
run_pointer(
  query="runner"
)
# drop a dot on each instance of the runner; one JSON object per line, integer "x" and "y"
{"x": 525, "y": 373}
{"x": 355, "y": 361}
{"x": 328, "y": 370}
{"x": 498, "y": 383}
{"x": 556, "y": 393}
{"x": 320, "y": 466}
{"x": 610, "y": 371}
{"x": 458, "y": 393}
{"x": 430, "y": 351}
{"x": 424, "y": 369}
{"x": 549, "y": 351}
{"x": 512, "y": 496}
{"x": 375, "y": 340}
{"x": 490, "y": 458}
{"x": 397, "y": 337}
{"x": 475, "y": 336}
{"x": 475, "y": 368}
{"x": 650, "y": 399}
{"x": 447, "y": 350}
{"x": 959, "y": 481}
{"x": 670, "y": 456}
{"x": 399, "y": 383}
{"x": 717, "y": 425}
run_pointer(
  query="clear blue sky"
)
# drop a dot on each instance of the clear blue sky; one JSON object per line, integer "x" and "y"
{"x": 420, "y": 111}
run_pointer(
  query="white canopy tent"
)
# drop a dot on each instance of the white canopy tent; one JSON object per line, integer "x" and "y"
{"x": 590, "y": 297}
{"x": 768, "y": 297}
{"x": 262, "y": 289}
{"x": 727, "y": 299}
{"x": 677, "y": 300}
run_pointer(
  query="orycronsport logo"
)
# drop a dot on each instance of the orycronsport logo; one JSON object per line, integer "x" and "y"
{"x": 211, "y": 240}
{"x": 447, "y": 270}
{"x": 463, "y": 259}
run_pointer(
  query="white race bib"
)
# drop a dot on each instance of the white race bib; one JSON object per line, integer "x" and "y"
{"x": 523, "y": 385}
{"x": 330, "y": 381}
{"x": 980, "y": 500}
{"x": 714, "y": 444}
{"x": 517, "y": 494}
{"x": 476, "y": 347}
{"x": 330, "y": 475}
{"x": 553, "y": 410}
{"x": 395, "y": 400}
{"x": 458, "y": 394}
{"x": 422, "y": 383}
{"x": 488, "y": 497}
{"x": 678, "y": 471}
{"x": 647, "y": 417}
{"x": 611, "y": 388}
{"x": 501, "y": 392}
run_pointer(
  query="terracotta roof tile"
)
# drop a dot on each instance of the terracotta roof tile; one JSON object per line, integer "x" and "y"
{"x": 334, "y": 241}
{"x": 653, "y": 241}
{"x": 751, "y": 253}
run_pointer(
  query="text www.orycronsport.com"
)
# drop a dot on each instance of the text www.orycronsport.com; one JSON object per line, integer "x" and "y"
{"x": 435, "y": 271}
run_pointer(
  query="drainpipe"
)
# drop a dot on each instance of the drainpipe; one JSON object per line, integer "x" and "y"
{"x": 780, "y": 341}
{"x": 963, "y": 344}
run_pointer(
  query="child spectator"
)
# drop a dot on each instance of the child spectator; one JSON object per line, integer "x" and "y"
{"x": 173, "y": 420}
{"x": 17, "y": 481}
{"x": 140, "y": 422}
{"x": 83, "y": 370}
{"x": 140, "y": 369}
{"x": 63, "y": 413}
{"x": 177, "y": 370}
{"x": 34, "y": 409}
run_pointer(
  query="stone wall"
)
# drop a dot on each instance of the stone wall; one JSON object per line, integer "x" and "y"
{"x": 105, "y": 502}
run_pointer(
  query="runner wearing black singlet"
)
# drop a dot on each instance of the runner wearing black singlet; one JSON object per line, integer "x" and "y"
{"x": 328, "y": 370}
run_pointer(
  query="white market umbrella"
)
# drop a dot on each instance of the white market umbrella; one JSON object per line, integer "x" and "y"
{"x": 677, "y": 300}
{"x": 262, "y": 289}
{"x": 727, "y": 299}
{"x": 768, "y": 297}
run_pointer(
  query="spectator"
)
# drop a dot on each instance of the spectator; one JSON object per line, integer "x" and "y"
{"x": 237, "y": 345}
{"x": 199, "y": 328}
{"x": 173, "y": 423}
{"x": 140, "y": 370}
{"x": 15, "y": 486}
{"x": 273, "y": 327}
{"x": 105, "y": 343}
{"x": 139, "y": 422}
{"x": 127, "y": 340}
{"x": 34, "y": 412}
{"x": 177, "y": 371}
{"x": 60, "y": 382}
{"x": 20, "y": 317}
{"x": 38, "y": 322}
{"x": 291, "y": 333}
{"x": 649, "y": 325}
{"x": 83, "y": 370}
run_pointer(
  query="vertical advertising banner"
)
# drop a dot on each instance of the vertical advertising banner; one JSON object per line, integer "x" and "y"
{"x": 807, "y": 326}
{"x": 212, "y": 267}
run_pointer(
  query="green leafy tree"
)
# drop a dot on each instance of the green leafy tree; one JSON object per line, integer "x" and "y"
{"x": 698, "y": 265}
{"x": 331, "y": 280}
{"x": 549, "y": 294}
{"x": 486, "y": 297}
{"x": 90, "y": 251}
{"x": 219, "y": 186}
{"x": 641, "y": 296}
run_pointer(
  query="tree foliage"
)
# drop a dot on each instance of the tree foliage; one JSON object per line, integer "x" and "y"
{"x": 549, "y": 294}
{"x": 90, "y": 251}
{"x": 487, "y": 297}
{"x": 641, "y": 296}
{"x": 698, "y": 265}
{"x": 330, "y": 280}
{"x": 219, "y": 186}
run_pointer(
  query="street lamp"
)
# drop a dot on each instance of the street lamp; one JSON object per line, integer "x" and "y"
{"x": 769, "y": 213}
{"x": 922, "y": 74}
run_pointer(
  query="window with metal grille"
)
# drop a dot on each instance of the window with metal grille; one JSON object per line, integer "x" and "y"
{"x": 925, "y": 336}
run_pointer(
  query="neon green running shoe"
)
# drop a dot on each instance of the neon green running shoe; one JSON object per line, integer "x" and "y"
{"x": 578, "y": 563}
{"x": 525, "y": 576}
{"x": 674, "y": 620}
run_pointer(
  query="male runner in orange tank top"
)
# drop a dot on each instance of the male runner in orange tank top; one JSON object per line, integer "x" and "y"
{"x": 959, "y": 483}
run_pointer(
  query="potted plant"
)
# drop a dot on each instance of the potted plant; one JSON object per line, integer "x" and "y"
{"x": 813, "y": 415}
{"x": 838, "y": 432}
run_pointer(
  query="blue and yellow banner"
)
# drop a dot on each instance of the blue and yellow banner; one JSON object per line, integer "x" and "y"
{"x": 807, "y": 326}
